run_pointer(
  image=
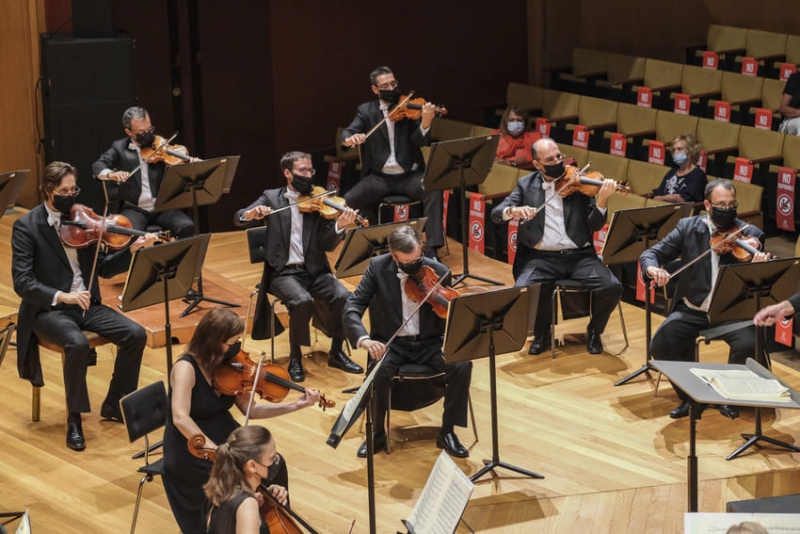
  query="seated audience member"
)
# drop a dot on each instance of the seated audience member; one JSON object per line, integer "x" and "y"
{"x": 790, "y": 106}
{"x": 516, "y": 139}
{"x": 685, "y": 182}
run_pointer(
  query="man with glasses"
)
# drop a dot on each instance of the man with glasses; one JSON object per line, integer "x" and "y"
{"x": 691, "y": 239}
{"x": 138, "y": 191}
{"x": 555, "y": 242}
{"x": 391, "y": 159}
{"x": 296, "y": 269}
{"x": 61, "y": 297}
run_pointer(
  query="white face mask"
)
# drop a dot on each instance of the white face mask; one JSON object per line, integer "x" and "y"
{"x": 515, "y": 127}
{"x": 679, "y": 158}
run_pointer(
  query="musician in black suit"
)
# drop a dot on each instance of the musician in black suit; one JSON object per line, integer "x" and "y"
{"x": 52, "y": 280}
{"x": 419, "y": 341}
{"x": 391, "y": 159}
{"x": 557, "y": 243}
{"x": 137, "y": 192}
{"x": 675, "y": 339}
{"x": 296, "y": 269}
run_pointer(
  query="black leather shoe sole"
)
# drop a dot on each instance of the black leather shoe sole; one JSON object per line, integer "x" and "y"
{"x": 110, "y": 412}
{"x": 378, "y": 444}
{"x": 731, "y": 412}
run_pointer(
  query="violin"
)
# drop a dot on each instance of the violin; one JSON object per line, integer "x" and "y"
{"x": 238, "y": 376}
{"x": 417, "y": 287}
{"x": 589, "y": 183}
{"x": 743, "y": 248}
{"x": 84, "y": 226}
{"x": 411, "y": 108}
{"x": 159, "y": 150}
{"x": 328, "y": 206}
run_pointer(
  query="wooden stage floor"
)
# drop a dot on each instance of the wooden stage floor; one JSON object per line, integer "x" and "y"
{"x": 613, "y": 460}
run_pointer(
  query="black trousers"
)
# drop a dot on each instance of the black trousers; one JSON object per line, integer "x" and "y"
{"x": 457, "y": 379}
{"x": 177, "y": 222}
{"x": 63, "y": 327}
{"x": 367, "y": 194}
{"x": 583, "y": 265}
{"x": 298, "y": 288}
{"x": 676, "y": 337}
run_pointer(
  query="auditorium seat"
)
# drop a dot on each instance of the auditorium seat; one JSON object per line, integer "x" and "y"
{"x": 760, "y": 147}
{"x": 662, "y": 78}
{"x": 670, "y": 125}
{"x": 766, "y": 47}
{"x": 580, "y": 155}
{"x": 643, "y": 177}
{"x": 525, "y": 96}
{"x": 588, "y": 65}
{"x": 700, "y": 84}
{"x": 611, "y": 167}
{"x": 598, "y": 116}
{"x": 742, "y": 92}
{"x": 726, "y": 41}
{"x": 635, "y": 123}
{"x": 793, "y": 49}
{"x": 446, "y": 129}
{"x": 719, "y": 140}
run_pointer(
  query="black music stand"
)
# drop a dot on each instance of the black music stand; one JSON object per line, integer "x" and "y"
{"x": 10, "y": 186}
{"x": 457, "y": 164}
{"x": 740, "y": 292}
{"x": 194, "y": 185}
{"x": 8, "y": 517}
{"x": 630, "y": 233}
{"x": 158, "y": 271}
{"x": 474, "y": 324}
{"x": 362, "y": 244}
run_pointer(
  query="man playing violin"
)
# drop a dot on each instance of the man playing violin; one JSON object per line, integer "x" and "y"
{"x": 675, "y": 339}
{"x": 419, "y": 341}
{"x": 296, "y": 269}
{"x": 391, "y": 159}
{"x": 61, "y": 297}
{"x": 138, "y": 191}
{"x": 555, "y": 242}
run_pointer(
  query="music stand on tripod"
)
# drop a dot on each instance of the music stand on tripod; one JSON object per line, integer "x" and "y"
{"x": 10, "y": 186}
{"x": 457, "y": 164}
{"x": 362, "y": 244}
{"x": 159, "y": 271}
{"x": 741, "y": 290}
{"x": 483, "y": 325}
{"x": 194, "y": 185}
{"x": 630, "y": 233}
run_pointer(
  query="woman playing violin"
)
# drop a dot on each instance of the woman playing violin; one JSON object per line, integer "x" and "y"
{"x": 137, "y": 191}
{"x": 197, "y": 408}
{"x": 241, "y": 466}
{"x": 555, "y": 241}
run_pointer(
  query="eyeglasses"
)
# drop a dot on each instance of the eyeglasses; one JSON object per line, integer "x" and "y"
{"x": 388, "y": 86}
{"x": 553, "y": 159}
{"x": 275, "y": 461}
{"x": 731, "y": 206}
{"x": 310, "y": 172}
{"x": 152, "y": 129}
{"x": 73, "y": 193}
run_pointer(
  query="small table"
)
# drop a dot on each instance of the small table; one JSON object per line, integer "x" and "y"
{"x": 701, "y": 392}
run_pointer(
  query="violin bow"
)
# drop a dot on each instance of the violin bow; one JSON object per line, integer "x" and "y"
{"x": 558, "y": 193}
{"x": 388, "y": 113}
{"x": 253, "y": 389}
{"x": 99, "y": 242}
{"x": 156, "y": 151}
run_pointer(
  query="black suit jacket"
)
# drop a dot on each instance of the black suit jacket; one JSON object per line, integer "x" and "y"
{"x": 120, "y": 157}
{"x": 40, "y": 268}
{"x": 379, "y": 290}
{"x": 319, "y": 237}
{"x": 688, "y": 240}
{"x": 408, "y": 139}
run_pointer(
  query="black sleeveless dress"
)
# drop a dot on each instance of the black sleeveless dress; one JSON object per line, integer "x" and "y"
{"x": 223, "y": 519}
{"x": 184, "y": 474}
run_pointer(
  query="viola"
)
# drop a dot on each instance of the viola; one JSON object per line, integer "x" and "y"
{"x": 160, "y": 150}
{"x": 743, "y": 248}
{"x": 84, "y": 227}
{"x": 328, "y": 206}
{"x": 417, "y": 287}
{"x": 411, "y": 108}
{"x": 238, "y": 376}
{"x": 589, "y": 183}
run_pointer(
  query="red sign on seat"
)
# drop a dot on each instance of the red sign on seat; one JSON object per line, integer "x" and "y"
{"x": 787, "y": 69}
{"x": 750, "y": 66}
{"x": 543, "y": 126}
{"x": 619, "y": 145}
{"x": 477, "y": 221}
{"x": 513, "y": 228}
{"x": 784, "y": 199}
{"x": 763, "y": 119}
{"x": 710, "y": 60}
{"x": 644, "y": 97}
{"x": 655, "y": 152}
{"x": 702, "y": 161}
{"x": 580, "y": 137}
{"x": 722, "y": 111}
{"x": 683, "y": 104}
{"x": 743, "y": 171}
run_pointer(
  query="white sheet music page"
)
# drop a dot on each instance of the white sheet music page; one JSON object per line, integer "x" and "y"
{"x": 443, "y": 500}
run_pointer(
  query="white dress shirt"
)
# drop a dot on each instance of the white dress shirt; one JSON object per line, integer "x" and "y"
{"x": 54, "y": 220}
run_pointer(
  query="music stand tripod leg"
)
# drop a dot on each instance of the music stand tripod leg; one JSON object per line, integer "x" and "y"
{"x": 753, "y": 439}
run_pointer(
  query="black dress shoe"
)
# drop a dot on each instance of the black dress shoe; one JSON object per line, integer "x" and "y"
{"x": 540, "y": 343}
{"x": 731, "y": 412}
{"x": 340, "y": 360}
{"x": 111, "y": 411}
{"x": 594, "y": 345}
{"x": 378, "y": 443}
{"x": 684, "y": 409}
{"x": 75, "y": 439}
{"x": 450, "y": 443}
{"x": 296, "y": 370}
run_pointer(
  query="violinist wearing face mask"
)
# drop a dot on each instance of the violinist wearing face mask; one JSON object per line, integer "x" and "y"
{"x": 514, "y": 147}
{"x": 685, "y": 182}
{"x": 391, "y": 159}
{"x": 556, "y": 244}
{"x": 675, "y": 339}
{"x": 197, "y": 408}
{"x": 138, "y": 191}
{"x": 297, "y": 269}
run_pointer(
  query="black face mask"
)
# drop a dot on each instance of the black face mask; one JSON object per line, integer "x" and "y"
{"x": 232, "y": 351}
{"x": 411, "y": 269}
{"x": 145, "y": 139}
{"x": 554, "y": 171}
{"x": 723, "y": 218}
{"x": 390, "y": 96}
{"x": 302, "y": 184}
{"x": 63, "y": 203}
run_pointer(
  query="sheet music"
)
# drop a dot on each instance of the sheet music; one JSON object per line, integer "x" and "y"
{"x": 710, "y": 523}
{"x": 443, "y": 500}
{"x": 744, "y": 385}
{"x": 24, "y": 524}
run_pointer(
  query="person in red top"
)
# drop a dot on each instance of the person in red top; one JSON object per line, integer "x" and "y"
{"x": 515, "y": 143}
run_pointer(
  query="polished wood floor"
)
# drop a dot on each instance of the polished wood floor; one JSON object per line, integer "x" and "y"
{"x": 613, "y": 460}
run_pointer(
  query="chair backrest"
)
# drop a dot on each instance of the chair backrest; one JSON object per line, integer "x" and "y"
{"x": 643, "y": 177}
{"x": 633, "y": 119}
{"x": 772, "y": 94}
{"x": 670, "y": 125}
{"x": 481, "y": 130}
{"x": 755, "y": 144}
{"x": 611, "y": 167}
{"x": 5, "y": 339}
{"x": 761, "y": 44}
{"x": 257, "y": 244}
{"x": 447, "y": 129}
{"x": 717, "y": 136}
{"x": 501, "y": 179}
{"x": 726, "y": 38}
{"x": 596, "y": 112}
{"x": 662, "y": 74}
{"x": 580, "y": 155}
{"x": 625, "y": 69}
{"x": 791, "y": 152}
{"x": 588, "y": 62}
{"x": 739, "y": 88}
{"x": 698, "y": 81}
{"x": 559, "y": 106}
{"x": 527, "y": 97}
{"x": 624, "y": 202}
{"x": 793, "y": 49}
{"x": 145, "y": 410}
